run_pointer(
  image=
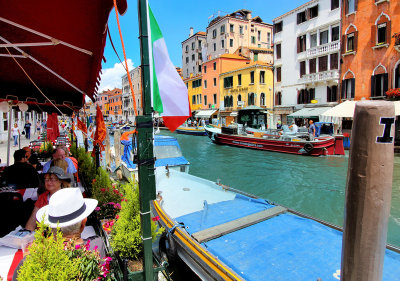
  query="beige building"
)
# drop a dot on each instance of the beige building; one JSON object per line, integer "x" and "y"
{"x": 192, "y": 53}
{"x": 226, "y": 34}
{"x": 128, "y": 112}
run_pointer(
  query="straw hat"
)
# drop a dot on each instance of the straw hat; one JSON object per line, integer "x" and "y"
{"x": 66, "y": 207}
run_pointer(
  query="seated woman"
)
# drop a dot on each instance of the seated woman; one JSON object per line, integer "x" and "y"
{"x": 54, "y": 180}
{"x": 64, "y": 165}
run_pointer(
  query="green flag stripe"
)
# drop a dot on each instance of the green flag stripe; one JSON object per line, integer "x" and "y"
{"x": 155, "y": 35}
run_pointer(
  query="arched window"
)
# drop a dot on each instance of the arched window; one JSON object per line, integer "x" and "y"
{"x": 262, "y": 99}
{"x": 231, "y": 101}
{"x": 250, "y": 99}
{"x": 381, "y": 33}
{"x": 379, "y": 81}
{"x": 239, "y": 97}
{"x": 278, "y": 98}
{"x": 348, "y": 85}
{"x": 349, "y": 40}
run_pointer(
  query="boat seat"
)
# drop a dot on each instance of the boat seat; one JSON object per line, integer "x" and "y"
{"x": 232, "y": 226}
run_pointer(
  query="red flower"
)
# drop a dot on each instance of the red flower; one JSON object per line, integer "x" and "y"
{"x": 94, "y": 180}
{"x": 156, "y": 218}
{"x": 102, "y": 189}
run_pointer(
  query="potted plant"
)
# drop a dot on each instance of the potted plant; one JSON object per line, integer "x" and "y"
{"x": 393, "y": 94}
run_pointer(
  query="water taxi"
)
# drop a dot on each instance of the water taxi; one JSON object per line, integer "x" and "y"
{"x": 200, "y": 131}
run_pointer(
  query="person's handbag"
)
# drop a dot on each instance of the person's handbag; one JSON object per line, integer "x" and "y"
{"x": 23, "y": 132}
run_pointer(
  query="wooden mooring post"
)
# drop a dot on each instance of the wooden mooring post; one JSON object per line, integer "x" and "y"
{"x": 368, "y": 191}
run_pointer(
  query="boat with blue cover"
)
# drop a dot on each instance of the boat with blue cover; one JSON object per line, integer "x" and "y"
{"x": 224, "y": 234}
{"x": 167, "y": 152}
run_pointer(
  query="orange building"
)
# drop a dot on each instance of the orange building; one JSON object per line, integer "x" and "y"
{"x": 370, "y": 52}
{"x": 210, "y": 75}
{"x": 115, "y": 104}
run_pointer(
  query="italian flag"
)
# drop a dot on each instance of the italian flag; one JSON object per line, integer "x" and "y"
{"x": 169, "y": 93}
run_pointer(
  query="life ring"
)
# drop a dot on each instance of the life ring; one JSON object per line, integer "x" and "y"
{"x": 167, "y": 248}
{"x": 308, "y": 147}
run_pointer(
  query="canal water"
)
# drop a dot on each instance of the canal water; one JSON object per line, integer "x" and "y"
{"x": 312, "y": 185}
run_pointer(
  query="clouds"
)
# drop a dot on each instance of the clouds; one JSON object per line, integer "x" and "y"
{"x": 112, "y": 77}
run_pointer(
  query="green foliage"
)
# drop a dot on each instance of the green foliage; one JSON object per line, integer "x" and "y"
{"x": 47, "y": 259}
{"x": 87, "y": 167}
{"x": 107, "y": 193}
{"x": 126, "y": 233}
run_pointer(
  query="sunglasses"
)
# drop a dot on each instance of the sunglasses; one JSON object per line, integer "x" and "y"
{"x": 50, "y": 179}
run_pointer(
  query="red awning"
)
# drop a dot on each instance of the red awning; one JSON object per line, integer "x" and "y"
{"x": 66, "y": 37}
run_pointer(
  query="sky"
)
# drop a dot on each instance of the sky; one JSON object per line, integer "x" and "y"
{"x": 175, "y": 17}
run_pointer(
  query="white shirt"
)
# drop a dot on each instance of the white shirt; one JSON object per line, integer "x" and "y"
{"x": 15, "y": 131}
{"x": 295, "y": 128}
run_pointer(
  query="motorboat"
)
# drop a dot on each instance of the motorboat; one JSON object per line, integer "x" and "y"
{"x": 224, "y": 234}
{"x": 195, "y": 131}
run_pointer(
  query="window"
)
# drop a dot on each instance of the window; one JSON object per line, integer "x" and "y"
{"x": 348, "y": 88}
{"x": 313, "y": 65}
{"x": 193, "y": 99}
{"x": 215, "y": 99}
{"x": 231, "y": 28}
{"x": 313, "y": 40}
{"x": 331, "y": 93}
{"x": 301, "y": 17}
{"x": 215, "y": 82}
{"x": 334, "y": 4}
{"x": 250, "y": 99}
{"x": 334, "y": 61}
{"x": 351, "y": 41}
{"x": 228, "y": 82}
{"x": 323, "y": 63}
{"x": 222, "y": 44}
{"x": 193, "y": 45}
{"x": 239, "y": 79}
{"x": 302, "y": 68}
{"x": 350, "y": 6}
{"x": 199, "y": 44}
{"x": 278, "y": 51}
{"x": 205, "y": 84}
{"x": 262, "y": 99}
{"x": 241, "y": 29}
{"x": 256, "y": 57}
{"x": 214, "y": 33}
{"x": 312, "y": 12}
{"x": 251, "y": 77}
{"x": 187, "y": 59}
{"x": 278, "y": 27}
{"x": 196, "y": 83}
{"x": 305, "y": 96}
{"x": 199, "y": 69}
{"x": 205, "y": 100}
{"x": 231, "y": 43}
{"x": 205, "y": 69}
{"x": 268, "y": 37}
{"x": 323, "y": 37}
{"x": 379, "y": 85}
{"x": 215, "y": 66}
{"x": 199, "y": 57}
{"x": 381, "y": 38}
{"x": 262, "y": 77}
{"x": 301, "y": 43}
{"x": 335, "y": 33}
{"x": 278, "y": 98}
{"x": 259, "y": 35}
{"x": 278, "y": 74}
{"x": 215, "y": 46}
{"x": 222, "y": 29}
{"x": 193, "y": 57}
{"x": 253, "y": 39}
{"x": 187, "y": 48}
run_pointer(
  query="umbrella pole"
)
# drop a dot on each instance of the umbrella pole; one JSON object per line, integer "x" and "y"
{"x": 9, "y": 136}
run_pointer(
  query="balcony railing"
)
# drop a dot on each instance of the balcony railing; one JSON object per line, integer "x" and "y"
{"x": 320, "y": 76}
{"x": 324, "y": 49}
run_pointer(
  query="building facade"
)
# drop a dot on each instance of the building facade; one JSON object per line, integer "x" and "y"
{"x": 370, "y": 49}
{"x": 211, "y": 71}
{"x": 192, "y": 49}
{"x": 307, "y": 56}
{"x": 194, "y": 85}
{"x": 226, "y": 34}
{"x": 115, "y": 105}
{"x": 249, "y": 86}
{"x": 128, "y": 112}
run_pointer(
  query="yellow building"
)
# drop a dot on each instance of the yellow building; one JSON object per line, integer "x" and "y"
{"x": 194, "y": 85}
{"x": 251, "y": 85}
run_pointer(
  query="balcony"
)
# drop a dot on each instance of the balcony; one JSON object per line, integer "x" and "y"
{"x": 324, "y": 49}
{"x": 320, "y": 76}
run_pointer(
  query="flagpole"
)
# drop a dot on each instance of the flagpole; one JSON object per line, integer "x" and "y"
{"x": 144, "y": 127}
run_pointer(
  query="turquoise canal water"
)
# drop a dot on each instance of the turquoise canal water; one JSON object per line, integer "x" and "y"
{"x": 312, "y": 185}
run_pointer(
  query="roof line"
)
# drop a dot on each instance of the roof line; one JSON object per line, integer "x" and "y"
{"x": 294, "y": 10}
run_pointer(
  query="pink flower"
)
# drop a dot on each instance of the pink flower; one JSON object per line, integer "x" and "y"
{"x": 77, "y": 247}
{"x": 117, "y": 217}
{"x": 117, "y": 206}
{"x": 97, "y": 209}
{"x": 108, "y": 259}
{"x": 111, "y": 203}
{"x": 156, "y": 218}
{"x": 95, "y": 248}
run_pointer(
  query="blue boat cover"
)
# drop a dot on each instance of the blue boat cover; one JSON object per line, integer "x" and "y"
{"x": 158, "y": 141}
{"x": 285, "y": 247}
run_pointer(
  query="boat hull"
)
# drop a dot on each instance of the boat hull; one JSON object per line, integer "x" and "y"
{"x": 322, "y": 146}
{"x": 191, "y": 131}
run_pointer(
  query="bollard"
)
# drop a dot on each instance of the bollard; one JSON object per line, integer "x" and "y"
{"x": 368, "y": 192}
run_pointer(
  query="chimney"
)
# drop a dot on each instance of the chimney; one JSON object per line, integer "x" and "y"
{"x": 191, "y": 32}
{"x": 249, "y": 16}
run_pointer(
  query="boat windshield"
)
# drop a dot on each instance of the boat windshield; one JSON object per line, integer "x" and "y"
{"x": 167, "y": 151}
